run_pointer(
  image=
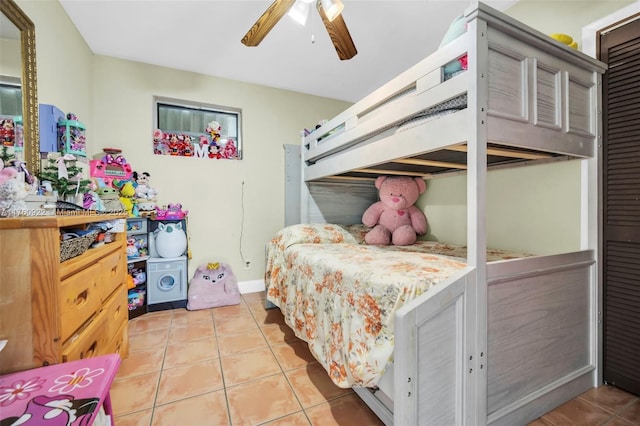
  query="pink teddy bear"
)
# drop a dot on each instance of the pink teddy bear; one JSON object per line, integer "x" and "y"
{"x": 394, "y": 219}
{"x": 7, "y": 173}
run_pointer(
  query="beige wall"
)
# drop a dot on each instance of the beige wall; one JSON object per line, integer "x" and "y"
{"x": 566, "y": 17}
{"x": 211, "y": 190}
{"x": 531, "y": 209}
{"x": 113, "y": 98}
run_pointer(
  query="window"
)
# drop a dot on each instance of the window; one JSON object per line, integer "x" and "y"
{"x": 191, "y": 129}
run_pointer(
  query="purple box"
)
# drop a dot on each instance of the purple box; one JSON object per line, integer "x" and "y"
{"x": 49, "y": 116}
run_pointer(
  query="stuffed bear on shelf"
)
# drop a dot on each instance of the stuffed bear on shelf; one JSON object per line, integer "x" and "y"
{"x": 394, "y": 219}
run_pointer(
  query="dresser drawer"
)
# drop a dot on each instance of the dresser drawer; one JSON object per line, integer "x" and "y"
{"x": 119, "y": 343}
{"x": 90, "y": 342}
{"x": 79, "y": 299}
{"x": 116, "y": 311}
{"x": 114, "y": 273}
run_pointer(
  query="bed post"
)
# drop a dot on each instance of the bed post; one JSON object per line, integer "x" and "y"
{"x": 303, "y": 188}
{"x": 292, "y": 185}
{"x": 591, "y": 228}
{"x": 475, "y": 398}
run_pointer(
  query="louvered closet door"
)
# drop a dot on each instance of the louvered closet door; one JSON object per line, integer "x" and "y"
{"x": 620, "y": 49}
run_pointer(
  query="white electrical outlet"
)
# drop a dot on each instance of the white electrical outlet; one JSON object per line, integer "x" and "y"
{"x": 247, "y": 265}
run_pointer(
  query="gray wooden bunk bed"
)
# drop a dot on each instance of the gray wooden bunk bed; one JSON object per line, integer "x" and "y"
{"x": 496, "y": 342}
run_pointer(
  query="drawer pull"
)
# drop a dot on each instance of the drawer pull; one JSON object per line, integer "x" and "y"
{"x": 81, "y": 298}
{"x": 89, "y": 353}
{"x": 114, "y": 271}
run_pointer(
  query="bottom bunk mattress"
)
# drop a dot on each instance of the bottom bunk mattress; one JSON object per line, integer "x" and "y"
{"x": 339, "y": 294}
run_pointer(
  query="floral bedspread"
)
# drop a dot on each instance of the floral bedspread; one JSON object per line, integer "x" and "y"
{"x": 339, "y": 294}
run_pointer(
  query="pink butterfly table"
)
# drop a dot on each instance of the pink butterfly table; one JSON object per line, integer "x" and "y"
{"x": 69, "y": 393}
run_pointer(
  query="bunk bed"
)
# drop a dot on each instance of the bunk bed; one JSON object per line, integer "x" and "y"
{"x": 495, "y": 340}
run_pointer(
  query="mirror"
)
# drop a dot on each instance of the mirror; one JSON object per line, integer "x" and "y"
{"x": 12, "y": 14}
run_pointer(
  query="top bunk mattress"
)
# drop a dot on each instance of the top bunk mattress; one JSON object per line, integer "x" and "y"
{"x": 340, "y": 295}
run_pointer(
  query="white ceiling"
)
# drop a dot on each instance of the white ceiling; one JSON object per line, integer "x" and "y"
{"x": 204, "y": 36}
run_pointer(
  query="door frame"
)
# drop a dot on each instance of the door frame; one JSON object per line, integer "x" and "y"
{"x": 590, "y": 31}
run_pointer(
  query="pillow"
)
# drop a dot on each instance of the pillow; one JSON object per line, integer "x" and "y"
{"x": 358, "y": 231}
{"x": 456, "y": 29}
{"x": 315, "y": 233}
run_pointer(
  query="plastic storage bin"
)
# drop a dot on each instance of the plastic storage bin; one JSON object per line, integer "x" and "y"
{"x": 71, "y": 137}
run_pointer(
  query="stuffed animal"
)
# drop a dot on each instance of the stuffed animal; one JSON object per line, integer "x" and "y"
{"x": 7, "y": 173}
{"x": 394, "y": 219}
{"x": 132, "y": 250}
{"x": 110, "y": 199}
{"x": 170, "y": 239}
{"x": 91, "y": 200}
{"x": 12, "y": 191}
{"x": 127, "y": 191}
{"x": 143, "y": 190}
{"x": 212, "y": 285}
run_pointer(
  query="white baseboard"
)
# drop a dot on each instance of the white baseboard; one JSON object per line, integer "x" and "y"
{"x": 253, "y": 286}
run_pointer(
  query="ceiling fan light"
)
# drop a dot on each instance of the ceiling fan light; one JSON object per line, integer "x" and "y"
{"x": 332, "y": 8}
{"x": 300, "y": 11}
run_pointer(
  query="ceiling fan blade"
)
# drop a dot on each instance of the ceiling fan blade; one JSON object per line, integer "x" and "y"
{"x": 266, "y": 22}
{"x": 339, "y": 34}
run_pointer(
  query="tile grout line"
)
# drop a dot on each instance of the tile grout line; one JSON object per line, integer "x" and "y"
{"x": 269, "y": 345}
{"x": 224, "y": 383}
{"x": 304, "y": 409}
{"x": 152, "y": 408}
{"x": 164, "y": 355}
{"x": 608, "y": 409}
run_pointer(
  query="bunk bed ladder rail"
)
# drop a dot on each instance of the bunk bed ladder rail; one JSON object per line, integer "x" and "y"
{"x": 430, "y": 389}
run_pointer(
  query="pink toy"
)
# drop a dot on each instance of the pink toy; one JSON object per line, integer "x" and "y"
{"x": 394, "y": 219}
{"x": 7, "y": 173}
{"x": 110, "y": 168}
{"x": 171, "y": 212}
{"x": 213, "y": 284}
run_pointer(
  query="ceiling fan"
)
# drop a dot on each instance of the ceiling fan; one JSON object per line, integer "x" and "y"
{"x": 330, "y": 12}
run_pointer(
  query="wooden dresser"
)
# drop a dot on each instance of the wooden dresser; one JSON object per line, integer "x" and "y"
{"x": 52, "y": 312}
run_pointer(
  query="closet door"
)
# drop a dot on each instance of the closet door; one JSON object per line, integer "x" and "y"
{"x": 620, "y": 49}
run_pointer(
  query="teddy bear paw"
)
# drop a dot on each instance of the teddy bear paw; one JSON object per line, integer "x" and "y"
{"x": 404, "y": 236}
{"x": 379, "y": 236}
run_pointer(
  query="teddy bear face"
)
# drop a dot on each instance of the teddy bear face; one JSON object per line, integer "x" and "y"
{"x": 399, "y": 192}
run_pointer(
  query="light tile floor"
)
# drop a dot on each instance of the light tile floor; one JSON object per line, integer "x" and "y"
{"x": 241, "y": 365}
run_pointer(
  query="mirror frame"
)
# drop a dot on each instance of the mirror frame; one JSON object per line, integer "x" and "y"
{"x": 29, "y": 83}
